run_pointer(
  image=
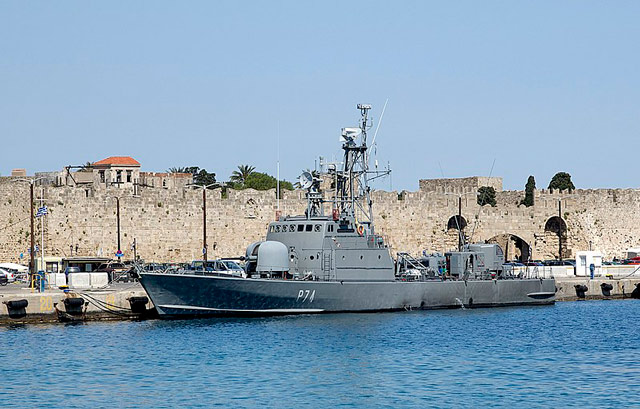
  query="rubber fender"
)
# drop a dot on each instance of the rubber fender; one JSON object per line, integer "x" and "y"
{"x": 17, "y": 304}
{"x": 606, "y": 287}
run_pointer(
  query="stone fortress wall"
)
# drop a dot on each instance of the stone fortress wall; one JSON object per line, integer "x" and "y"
{"x": 167, "y": 222}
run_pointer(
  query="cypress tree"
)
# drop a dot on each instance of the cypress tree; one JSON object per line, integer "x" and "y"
{"x": 528, "y": 192}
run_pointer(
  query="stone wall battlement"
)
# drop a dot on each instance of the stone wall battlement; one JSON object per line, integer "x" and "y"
{"x": 167, "y": 223}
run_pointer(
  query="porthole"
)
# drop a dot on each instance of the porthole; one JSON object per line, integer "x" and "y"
{"x": 317, "y": 227}
{"x": 311, "y": 257}
{"x": 277, "y": 229}
{"x": 378, "y": 256}
{"x": 361, "y": 257}
{"x": 292, "y": 227}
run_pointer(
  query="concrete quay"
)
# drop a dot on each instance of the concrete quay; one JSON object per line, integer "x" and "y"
{"x": 115, "y": 301}
{"x": 111, "y": 303}
{"x": 620, "y": 288}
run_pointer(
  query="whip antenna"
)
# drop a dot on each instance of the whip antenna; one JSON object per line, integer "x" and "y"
{"x": 379, "y": 122}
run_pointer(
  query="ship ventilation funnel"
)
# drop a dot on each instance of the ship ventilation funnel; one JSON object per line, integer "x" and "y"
{"x": 272, "y": 257}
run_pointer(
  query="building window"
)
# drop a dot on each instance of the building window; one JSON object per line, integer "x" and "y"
{"x": 128, "y": 176}
{"x": 164, "y": 182}
{"x": 119, "y": 176}
{"x": 102, "y": 176}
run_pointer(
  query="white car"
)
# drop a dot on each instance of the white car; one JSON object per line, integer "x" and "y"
{"x": 11, "y": 277}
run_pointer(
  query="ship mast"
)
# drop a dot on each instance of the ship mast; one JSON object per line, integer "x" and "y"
{"x": 352, "y": 191}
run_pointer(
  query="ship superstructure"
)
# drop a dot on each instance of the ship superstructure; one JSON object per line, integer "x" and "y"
{"x": 331, "y": 259}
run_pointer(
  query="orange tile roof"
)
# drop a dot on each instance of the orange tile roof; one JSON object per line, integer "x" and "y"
{"x": 118, "y": 160}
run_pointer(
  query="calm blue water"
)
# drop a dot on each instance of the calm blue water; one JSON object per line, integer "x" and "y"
{"x": 571, "y": 354}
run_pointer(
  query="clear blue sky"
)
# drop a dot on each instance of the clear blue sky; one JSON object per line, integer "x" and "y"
{"x": 541, "y": 86}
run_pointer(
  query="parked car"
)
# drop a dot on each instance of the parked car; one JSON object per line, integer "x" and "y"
{"x": 115, "y": 270}
{"x": 560, "y": 263}
{"x": 8, "y": 274}
{"x": 513, "y": 264}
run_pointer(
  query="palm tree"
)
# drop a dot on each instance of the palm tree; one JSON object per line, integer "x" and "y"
{"x": 177, "y": 170}
{"x": 241, "y": 175}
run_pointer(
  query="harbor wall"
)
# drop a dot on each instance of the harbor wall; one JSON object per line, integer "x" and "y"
{"x": 167, "y": 223}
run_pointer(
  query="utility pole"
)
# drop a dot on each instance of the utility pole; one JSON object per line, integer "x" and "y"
{"x": 205, "y": 247}
{"x": 204, "y": 226}
{"x": 459, "y": 223}
{"x": 119, "y": 253}
{"x": 42, "y": 265}
{"x": 33, "y": 260}
{"x": 560, "y": 230}
{"x": 135, "y": 250}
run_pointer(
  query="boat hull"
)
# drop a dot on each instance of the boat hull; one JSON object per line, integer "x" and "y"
{"x": 180, "y": 295}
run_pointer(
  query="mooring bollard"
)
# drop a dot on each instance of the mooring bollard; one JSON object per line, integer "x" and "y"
{"x": 581, "y": 289}
{"x": 606, "y": 289}
{"x": 74, "y": 306}
{"x": 16, "y": 308}
{"x": 138, "y": 304}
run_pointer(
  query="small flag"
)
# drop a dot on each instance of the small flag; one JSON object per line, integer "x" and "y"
{"x": 42, "y": 211}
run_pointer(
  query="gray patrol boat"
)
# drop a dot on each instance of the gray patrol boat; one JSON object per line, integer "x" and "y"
{"x": 332, "y": 260}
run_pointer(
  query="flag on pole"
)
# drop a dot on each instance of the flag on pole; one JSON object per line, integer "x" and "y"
{"x": 42, "y": 211}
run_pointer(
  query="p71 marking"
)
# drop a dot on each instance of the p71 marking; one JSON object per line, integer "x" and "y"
{"x": 304, "y": 295}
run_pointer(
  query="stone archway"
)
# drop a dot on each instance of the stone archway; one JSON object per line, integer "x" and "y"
{"x": 514, "y": 247}
{"x": 456, "y": 222}
{"x": 555, "y": 238}
{"x": 455, "y": 231}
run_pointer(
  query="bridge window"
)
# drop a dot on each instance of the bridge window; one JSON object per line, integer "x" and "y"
{"x": 330, "y": 228}
{"x": 301, "y": 227}
{"x": 309, "y": 227}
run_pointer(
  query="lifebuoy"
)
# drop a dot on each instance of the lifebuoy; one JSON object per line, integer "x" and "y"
{"x": 361, "y": 230}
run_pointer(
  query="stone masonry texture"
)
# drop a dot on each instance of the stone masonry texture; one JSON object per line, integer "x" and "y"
{"x": 167, "y": 223}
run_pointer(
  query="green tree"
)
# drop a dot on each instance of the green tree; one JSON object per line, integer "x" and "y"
{"x": 561, "y": 181}
{"x": 529, "y": 188}
{"x": 486, "y": 195}
{"x": 263, "y": 181}
{"x": 240, "y": 176}
{"x": 200, "y": 176}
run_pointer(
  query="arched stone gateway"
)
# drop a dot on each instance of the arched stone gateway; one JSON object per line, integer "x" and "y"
{"x": 456, "y": 222}
{"x": 556, "y": 225}
{"x": 455, "y": 228}
{"x": 555, "y": 238}
{"x": 514, "y": 247}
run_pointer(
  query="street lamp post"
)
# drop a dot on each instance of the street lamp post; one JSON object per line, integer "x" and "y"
{"x": 459, "y": 219}
{"x": 119, "y": 252}
{"x": 32, "y": 261}
{"x": 205, "y": 249}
